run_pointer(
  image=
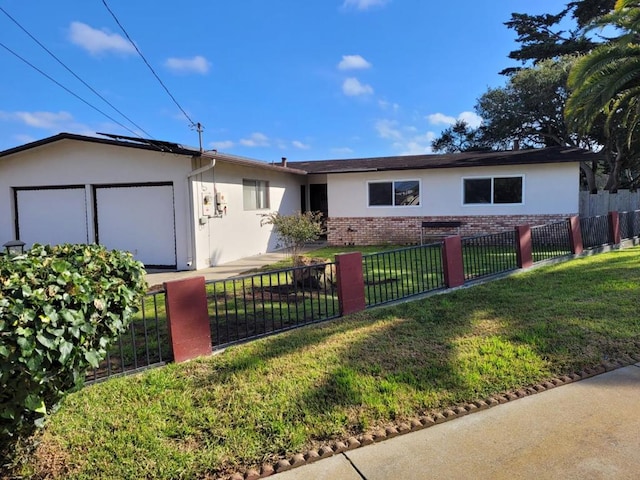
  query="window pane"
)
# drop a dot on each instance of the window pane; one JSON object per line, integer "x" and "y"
{"x": 380, "y": 194}
{"x": 249, "y": 196}
{"x": 407, "y": 193}
{"x": 507, "y": 190}
{"x": 477, "y": 190}
{"x": 262, "y": 194}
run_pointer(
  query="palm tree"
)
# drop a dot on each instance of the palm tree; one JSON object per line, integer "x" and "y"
{"x": 607, "y": 80}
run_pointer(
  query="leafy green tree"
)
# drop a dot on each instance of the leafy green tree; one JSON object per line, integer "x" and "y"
{"x": 296, "y": 230}
{"x": 543, "y": 37}
{"x": 606, "y": 89}
{"x": 459, "y": 137}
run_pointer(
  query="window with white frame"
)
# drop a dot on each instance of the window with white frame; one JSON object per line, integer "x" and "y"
{"x": 255, "y": 194}
{"x": 492, "y": 190}
{"x": 398, "y": 193}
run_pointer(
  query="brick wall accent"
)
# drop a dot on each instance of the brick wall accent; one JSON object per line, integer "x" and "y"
{"x": 406, "y": 230}
{"x": 188, "y": 318}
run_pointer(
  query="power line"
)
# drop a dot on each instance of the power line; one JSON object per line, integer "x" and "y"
{"x": 193, "y": 124}
{"x": 67, "y": 90}
{"x": 73, "y": 73}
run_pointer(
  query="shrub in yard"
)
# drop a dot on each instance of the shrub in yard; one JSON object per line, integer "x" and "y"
{"x": 60, "y": 308}
{"x": 295, "y": 230}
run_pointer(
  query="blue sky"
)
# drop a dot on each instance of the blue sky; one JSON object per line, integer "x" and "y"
{"x": 313, "y": 79}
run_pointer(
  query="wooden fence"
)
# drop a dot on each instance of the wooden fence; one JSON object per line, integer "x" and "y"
{"x": 603, "y": 202}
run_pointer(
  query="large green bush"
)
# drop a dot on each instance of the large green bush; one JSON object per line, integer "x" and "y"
{"x": 60, "y": 308}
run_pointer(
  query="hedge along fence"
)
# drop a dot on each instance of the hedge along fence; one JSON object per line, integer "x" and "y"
{"x": 196, "y": 310}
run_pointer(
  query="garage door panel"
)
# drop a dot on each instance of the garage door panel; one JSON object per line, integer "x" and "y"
{"x": 138, "y": 219}
{"x": 52, "y": 215}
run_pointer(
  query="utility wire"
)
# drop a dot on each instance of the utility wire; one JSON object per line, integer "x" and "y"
{"x": 67, "y": 90}
{"x": 192, "y": 123}
{"x": 73, "y": 73}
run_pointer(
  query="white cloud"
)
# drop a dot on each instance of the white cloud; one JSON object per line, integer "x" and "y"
{"x": 353, "y": 62}
{"x": 341, "y": 151}
{"x": 44, "y": 120}
{"x": 384, "y": 105}
{"x": 98, "y": 41}
{"x": 387, "y": 129}
{"x": 256, "y": 139}
{"x": 353, "y": 88}
{"x": 197, "y": 64}
{"x": 440, "y": 119}
{"x": 405, "y": 139}
{"x": 363, "y": 4}
{"x": 471, "y": 119}
{"x": 222, "y": 145}
{"x": 300, "y": 145}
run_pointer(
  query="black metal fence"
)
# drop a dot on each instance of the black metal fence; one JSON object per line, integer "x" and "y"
{"x": 396, "y": 274}
{"x": 630, "y": 224}
{"x": 144, "y": 344}
{"x": 255, "y": 305}
{"x": 487, "y": 255}
{"x": 595, "y": 231}
{"x": 252, "y": 306}
{"x": 550, "y": 241}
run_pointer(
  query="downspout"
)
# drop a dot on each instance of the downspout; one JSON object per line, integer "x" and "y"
{"x": 192, "y": 229}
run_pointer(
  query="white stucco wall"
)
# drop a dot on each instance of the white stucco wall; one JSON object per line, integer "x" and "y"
{"x": 548, "y": 189}
{"x": 238, "y": 233}
{"x": 71, "y": 162}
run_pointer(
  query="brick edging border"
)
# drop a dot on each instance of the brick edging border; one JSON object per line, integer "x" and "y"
{"x": 425, "y": 421}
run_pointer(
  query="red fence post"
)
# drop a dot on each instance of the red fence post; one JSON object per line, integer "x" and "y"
{"x": 452, "y": 262}
{"x": 614, "y": 228}
{"x": 575, "y": 235}
{"x": 350, "y": 283}
{"x": 524, "y": 247}
{"x": 188, "y": 318}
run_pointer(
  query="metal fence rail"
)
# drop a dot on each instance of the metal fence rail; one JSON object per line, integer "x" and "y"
{"x": 595, "y": 231}
{"x": 396, "y": 274}
{"x": 254, "y": 305}
{"x": 550, "y": 241}
{"x": 630, "y": 224}
{"x": 144, "y": 344}
{"x": 486, "y": 255}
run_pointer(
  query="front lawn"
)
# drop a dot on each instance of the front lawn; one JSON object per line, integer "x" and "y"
{"x": 284, "y": 394}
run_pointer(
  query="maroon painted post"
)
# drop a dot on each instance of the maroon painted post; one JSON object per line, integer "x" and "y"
{"x": 524, "y": 247}
{"x": 575, "y": 235}
{"x": 452, "y": 263}
{"x": 350, "y": 283}
{"x": 614, "y": 228}
{"x": 188, "y": 318}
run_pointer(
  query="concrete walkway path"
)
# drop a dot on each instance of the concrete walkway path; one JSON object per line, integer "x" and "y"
{"x": 226, "y": 270}
{"x": 588, "y": 429}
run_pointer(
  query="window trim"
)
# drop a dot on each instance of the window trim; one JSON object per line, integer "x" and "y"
{"x": 393, "y": 190}
{"x": 492, "y": 178}
{"x": 257, "y": 182}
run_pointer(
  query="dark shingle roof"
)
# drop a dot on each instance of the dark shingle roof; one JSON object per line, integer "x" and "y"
{"x": 467, "y": 159}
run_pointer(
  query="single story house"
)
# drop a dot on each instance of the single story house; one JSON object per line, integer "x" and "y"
{"x": 379, "y": 200}
{"x": 179, "y": 208}
{"x": 171, "y": 206}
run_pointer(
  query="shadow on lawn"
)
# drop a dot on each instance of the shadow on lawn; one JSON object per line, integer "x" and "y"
{"x": 394, "y": 362}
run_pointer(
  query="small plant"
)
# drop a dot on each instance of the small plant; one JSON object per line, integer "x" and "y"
{"x": 60, "y": 308}
{"x": 296, "y": 230}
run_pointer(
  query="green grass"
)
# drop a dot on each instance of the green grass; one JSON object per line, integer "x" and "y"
{"x": 284, "y": 394}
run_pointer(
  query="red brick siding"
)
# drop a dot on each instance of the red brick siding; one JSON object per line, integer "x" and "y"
{"x": 406, "y": 230}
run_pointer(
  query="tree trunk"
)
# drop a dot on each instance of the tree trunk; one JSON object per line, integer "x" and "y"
{"x": 589, "y": 176}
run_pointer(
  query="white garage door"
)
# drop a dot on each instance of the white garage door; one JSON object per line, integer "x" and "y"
{"x": 139, "y": 219}
{"x": 51, "y": 215}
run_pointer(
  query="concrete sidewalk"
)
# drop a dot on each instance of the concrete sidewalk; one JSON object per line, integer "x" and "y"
{"x": 588, "y": 429}
{"x": 227, "y": 270}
